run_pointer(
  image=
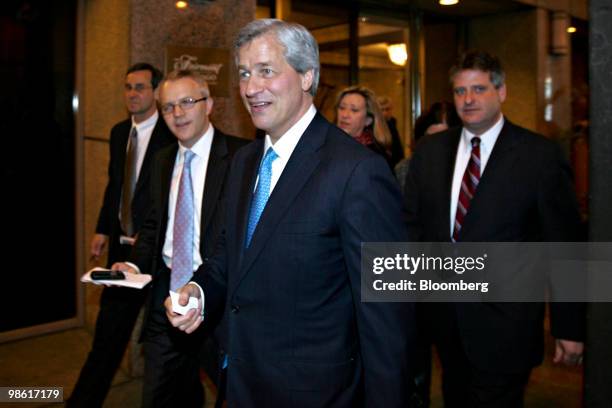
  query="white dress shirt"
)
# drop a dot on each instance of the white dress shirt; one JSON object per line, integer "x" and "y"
{"x": 464, "y": 151}
{"x": 199, "y": 166}
{"x": 145, "y": 130}
{"x": 285, "y": 145}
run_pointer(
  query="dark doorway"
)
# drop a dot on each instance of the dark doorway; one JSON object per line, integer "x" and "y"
{"x": 38, "y": 162}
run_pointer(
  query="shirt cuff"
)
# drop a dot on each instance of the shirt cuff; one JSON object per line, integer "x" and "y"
{"x": 137, "y": 269}
{"x": 202, "y": 297}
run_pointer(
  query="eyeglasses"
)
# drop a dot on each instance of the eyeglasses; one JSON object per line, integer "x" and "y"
{"x": 138, "y": 87}
{"x": 185, "y": 105}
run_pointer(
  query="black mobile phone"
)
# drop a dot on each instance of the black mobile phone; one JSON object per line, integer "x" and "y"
{"x": 107, "y": 275}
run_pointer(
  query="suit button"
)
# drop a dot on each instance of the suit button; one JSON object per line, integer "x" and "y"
{"x": 235, "y": 308}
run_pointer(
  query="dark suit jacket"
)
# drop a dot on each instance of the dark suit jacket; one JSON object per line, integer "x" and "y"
{"x": 298, "y": 333}
{"x": 147, "y": 253}
{"x": 108, "y": 220}
{"x": 525, "y": 195}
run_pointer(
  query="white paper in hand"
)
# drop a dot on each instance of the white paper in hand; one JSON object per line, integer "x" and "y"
{"x": 176, "y": 308}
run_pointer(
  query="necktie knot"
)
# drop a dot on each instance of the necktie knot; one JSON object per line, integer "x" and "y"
{"x": 475, "y": 142}
{"x": 189, "y": 155}
{"x": 268, "y": 158}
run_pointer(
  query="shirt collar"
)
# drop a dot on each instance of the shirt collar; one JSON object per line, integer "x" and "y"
{"x": 147, "y": 123}
{"x": 200, "y": 147}
{"x": 487, "y": 139}
{"x": 285, "y": 145}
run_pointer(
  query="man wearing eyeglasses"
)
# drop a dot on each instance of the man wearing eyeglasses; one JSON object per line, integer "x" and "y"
{"x": 179, "y": 233}
{"x": 133, "y": 143}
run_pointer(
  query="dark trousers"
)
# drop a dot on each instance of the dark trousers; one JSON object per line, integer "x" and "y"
{"x": 119, "y": 308}
{"x": 172, "y": 366}
{"x": 467, "y": 386}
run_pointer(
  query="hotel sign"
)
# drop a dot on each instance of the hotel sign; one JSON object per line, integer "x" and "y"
{"x": 212, "y": 63}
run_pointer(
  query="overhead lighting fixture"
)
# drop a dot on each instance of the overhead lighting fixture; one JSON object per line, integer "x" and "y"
{"x": 398, "y": 54}
{"x": 181, "y": 4}
{"x": 571, "y": 29}
{"x": 448, "y": 2}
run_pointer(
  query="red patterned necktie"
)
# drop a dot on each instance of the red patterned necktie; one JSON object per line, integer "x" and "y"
{"x": 469, "y": 183}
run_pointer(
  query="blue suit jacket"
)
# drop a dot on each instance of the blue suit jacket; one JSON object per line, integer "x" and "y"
{"x": 298, "y": 333}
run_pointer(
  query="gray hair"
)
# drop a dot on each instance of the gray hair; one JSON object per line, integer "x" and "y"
{"x": 301, "y": 49}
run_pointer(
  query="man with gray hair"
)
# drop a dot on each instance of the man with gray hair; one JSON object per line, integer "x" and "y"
{"x": 187, "y": 184}
{"x": 300, "y": 203}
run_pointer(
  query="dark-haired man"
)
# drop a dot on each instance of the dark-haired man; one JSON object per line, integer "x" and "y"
{"x": 133, "y": 143}
{"x": 493, "y": 182}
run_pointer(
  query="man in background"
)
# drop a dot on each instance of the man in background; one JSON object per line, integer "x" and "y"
{"x": 133, "y": 143}
{"x": 188, "y": 181}
{"x": 492, "y": 181}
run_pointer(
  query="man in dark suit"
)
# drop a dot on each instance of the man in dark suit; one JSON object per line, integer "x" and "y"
{"x": 173, "y": 243}
{"x": 287, "y": 270}
{"x": 133, "y": 143}
{"x": 521, "y": 190}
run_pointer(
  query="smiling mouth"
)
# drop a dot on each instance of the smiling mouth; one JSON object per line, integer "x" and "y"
{"x": 258, "y": 106}
{"x": 181, "y": 125}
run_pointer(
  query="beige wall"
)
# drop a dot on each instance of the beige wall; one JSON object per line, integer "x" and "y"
{"x": 512, "y": 37}
{"x": 106, "y": 50}
{"x": 440, "y": 55}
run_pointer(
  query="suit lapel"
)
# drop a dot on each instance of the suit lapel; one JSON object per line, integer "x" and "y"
{"x": 450, "y": 156}
{"x": 215, "y": 175}
{"x": 301, "y": 164}
{"x": 247, "y": 185}
{"x": 499, "y": 164}
{"x": 167, "y": 166}
{"x": 154, "y": 144}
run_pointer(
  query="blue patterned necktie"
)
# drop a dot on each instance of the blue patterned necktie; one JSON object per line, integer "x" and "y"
{"x": 182, "y": 238}
{"x": 262, "y": 192}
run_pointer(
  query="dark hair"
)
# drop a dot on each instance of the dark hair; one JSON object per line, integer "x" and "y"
{"x": 481, "y": 61}
{"x": 438, "y": 112}
{"x": 156, "y": 74}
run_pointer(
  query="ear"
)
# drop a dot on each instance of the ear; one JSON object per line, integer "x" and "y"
{"x": 209, "y": 105}
{"x": 307, "y": 79}
{"x": 501, "y": 91}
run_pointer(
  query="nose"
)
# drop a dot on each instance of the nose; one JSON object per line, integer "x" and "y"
{"x": 251, "y": 86}
{"x": 177, "y": 111}
{"x": 469, "y": 97}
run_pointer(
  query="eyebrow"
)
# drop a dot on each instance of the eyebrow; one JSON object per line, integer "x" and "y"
{"x": 257, "y": 65}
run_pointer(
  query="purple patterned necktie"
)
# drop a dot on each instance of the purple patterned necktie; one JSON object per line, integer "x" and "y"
{"x": 182, "y": 238}
{"x": 469, "y": 183}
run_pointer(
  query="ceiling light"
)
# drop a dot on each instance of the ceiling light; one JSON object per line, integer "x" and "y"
{"x": 398, "y": 53}
{"x": 448, "y": 2}
{"x": 181, "y": 4}
{"x": 571, "y": 29}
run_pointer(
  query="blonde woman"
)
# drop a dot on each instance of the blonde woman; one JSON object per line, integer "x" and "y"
{"x": 359, "y": 115}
